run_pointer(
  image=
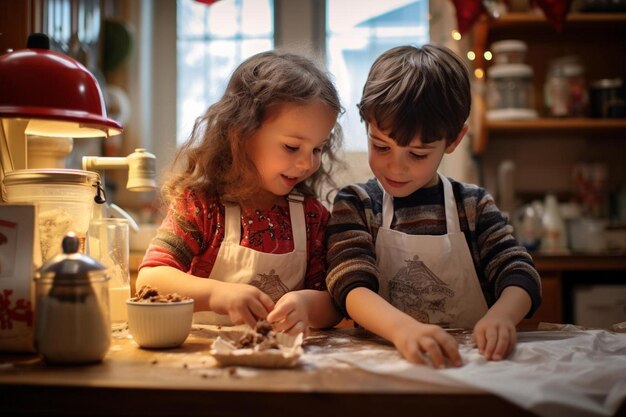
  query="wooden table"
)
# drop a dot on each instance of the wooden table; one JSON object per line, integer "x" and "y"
{"x": 186, "y": 381}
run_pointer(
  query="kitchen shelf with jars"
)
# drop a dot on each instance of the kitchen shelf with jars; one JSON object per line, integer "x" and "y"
{"x": 552, "y": 104}
{"x": 588, "y": 54}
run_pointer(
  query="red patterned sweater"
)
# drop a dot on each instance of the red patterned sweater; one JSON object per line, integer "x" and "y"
{"x": 191, "y": 234}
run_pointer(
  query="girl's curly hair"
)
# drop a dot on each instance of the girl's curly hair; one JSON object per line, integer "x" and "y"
{"x": 215, "y": 162}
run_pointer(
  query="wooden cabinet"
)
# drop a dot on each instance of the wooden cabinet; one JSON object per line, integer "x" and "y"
{"x": 59, "y": 19}
{"x": 560, "y": 273}
{"x": 597, "y": 38}
{"x": 17, "y": 20}
{"x": 546, "y": 149}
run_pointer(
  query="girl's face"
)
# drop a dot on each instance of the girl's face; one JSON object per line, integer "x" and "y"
{"x": 287, "y": 148}
{"x": 402, "y": 170}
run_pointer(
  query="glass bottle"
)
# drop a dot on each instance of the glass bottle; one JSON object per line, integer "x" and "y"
{"x": 554, "y": 235}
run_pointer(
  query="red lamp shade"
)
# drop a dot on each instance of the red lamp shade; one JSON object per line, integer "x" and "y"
{"x": 49, "y": 88}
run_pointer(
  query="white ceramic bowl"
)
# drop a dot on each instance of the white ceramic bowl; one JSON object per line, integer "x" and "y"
{"x": 159, "y": 325}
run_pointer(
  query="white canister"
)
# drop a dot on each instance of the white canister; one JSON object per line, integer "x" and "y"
{"x": 554, "y": 237}
{"x": 510, "y": 92}
{"x": 64, "y": 199}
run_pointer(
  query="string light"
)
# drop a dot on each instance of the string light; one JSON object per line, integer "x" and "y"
{"x": 471, "y": 55}
{"x": 456, "y": 35}
{"x": 479, "y": 73}
{"x": 488, "y": 55}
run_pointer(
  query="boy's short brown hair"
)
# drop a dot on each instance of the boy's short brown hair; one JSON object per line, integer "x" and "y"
{"x": 414, "y": 91}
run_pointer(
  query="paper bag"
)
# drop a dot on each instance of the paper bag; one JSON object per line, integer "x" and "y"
{"x": 17, "y": 237}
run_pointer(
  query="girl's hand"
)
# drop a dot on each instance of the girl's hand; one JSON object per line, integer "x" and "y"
{"x": 242, "y": 302}
{"x": 290, "y": 314}
{"x": 426, "y": 344}
{"x": 495, "y": 336}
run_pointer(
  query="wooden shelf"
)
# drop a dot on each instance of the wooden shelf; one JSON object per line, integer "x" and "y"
{"x": 587, "y": 35}
{"x": 530, "y": 20}
{"x": 579, "y": 262}
{"x": 555, "y": 125}
{"x": 552, "y": 126}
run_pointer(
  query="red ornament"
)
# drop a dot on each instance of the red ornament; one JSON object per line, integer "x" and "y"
{"x": 555, "y": 11}
{"x": 467, "y": 12}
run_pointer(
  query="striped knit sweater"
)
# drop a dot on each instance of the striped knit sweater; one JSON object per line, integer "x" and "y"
{"x": 357, "y": 215}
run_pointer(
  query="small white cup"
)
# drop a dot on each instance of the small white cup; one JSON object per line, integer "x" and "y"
{"x": 159, "y": 325}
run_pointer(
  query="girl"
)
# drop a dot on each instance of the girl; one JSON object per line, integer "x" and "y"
{"x": 242, "y": 212}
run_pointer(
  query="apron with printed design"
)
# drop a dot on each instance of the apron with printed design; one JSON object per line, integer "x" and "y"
{"x": 431, "y": 278}
{"x": 274, "y": 274}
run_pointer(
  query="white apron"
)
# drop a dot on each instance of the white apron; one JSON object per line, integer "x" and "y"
{"x": 274, "y": 274}
{"x": 431, "y": 278}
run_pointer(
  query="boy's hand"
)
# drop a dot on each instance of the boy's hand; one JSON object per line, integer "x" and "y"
{"x": 495, "y": 337}
{"x": 290, "y": 314}
{"x": 423, "y": 343}
{"x": 242, "y": 302}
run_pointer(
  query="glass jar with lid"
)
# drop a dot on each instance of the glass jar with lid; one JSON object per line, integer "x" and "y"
{"x": 510, "y": 92}
{"x": 565, "y": 90}
{"x": 509, "y": 51}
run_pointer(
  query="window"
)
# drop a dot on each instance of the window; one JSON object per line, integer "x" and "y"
{"x": 357, "y": 32}
{"x": 211, "y": 42}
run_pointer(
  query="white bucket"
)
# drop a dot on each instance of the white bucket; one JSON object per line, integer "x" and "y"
{"x": 64, "y": 197}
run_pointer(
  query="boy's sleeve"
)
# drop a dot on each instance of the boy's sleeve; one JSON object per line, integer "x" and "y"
{"x": 180, "y": 236}
{"x": 504, "y": 261}
{"x": 350, "y": 249}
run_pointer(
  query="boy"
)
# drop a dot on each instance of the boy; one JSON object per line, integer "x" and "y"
{"x": 410, "y": 251}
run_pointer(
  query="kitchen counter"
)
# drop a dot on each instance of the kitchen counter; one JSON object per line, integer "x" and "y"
{"x": 580, "y": 261}
{"x": 187, "y": 381}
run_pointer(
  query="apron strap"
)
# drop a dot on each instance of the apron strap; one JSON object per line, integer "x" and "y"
{"x": 387, "y": 208}
{"x": 232, "y": 222}
{"x": 452, "y": 216}
{"x": 298, "y": 225}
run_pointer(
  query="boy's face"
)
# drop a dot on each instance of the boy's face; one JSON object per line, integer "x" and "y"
{"x": 404, "y": 170}
{"x": 287, "y": 148}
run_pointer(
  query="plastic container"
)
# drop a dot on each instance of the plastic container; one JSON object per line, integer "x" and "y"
{"x": 510, "y": 92}
{"x": 587, "y": 235}
{"x": 65, "y": 200}
{"x": 528, "y": 225}
{"x": 108, "y": 244}
{"x": 509, "y": 52}
{"x": 554, "y": 238}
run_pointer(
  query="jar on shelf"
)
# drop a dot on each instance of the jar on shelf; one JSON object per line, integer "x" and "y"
{"x": 608, "y": 98}
{"x": 510, "y": 51}
{"x": 510, "y": 92}
{"x": 565, "y": 89}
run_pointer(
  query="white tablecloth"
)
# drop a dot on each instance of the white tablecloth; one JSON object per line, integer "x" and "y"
{"x": 551, "y": 373}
